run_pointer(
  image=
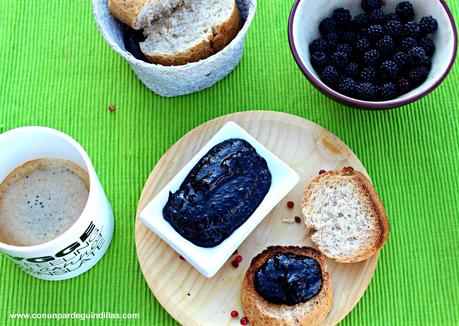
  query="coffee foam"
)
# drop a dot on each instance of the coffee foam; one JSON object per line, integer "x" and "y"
{"x": 40, "y": 200}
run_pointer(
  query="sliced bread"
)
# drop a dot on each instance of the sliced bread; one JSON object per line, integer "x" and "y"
{"x": 346, "y": 215}
{"x": 310, "y": 313}
{"x": 194, "y": 31}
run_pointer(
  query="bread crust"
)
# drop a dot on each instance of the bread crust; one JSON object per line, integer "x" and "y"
{"x": 127, "y": 11}
{"x": 372, "y": 201}
{"x": 221, "y": 36}
{"x": 261, "y": 312}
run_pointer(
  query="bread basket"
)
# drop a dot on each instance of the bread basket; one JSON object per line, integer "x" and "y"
{"x": 172, "y": 81}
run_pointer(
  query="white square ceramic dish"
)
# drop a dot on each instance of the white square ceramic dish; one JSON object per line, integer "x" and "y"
{"x": 209, "y": 260}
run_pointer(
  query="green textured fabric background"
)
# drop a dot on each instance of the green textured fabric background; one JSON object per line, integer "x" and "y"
{"x": 56, "y": 70}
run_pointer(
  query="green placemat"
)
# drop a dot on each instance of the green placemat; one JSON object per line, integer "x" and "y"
{"x": 57, "y": 71}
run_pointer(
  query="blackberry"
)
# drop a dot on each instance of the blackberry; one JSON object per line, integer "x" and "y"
{"x": 417, "y": 56}
{"x": 347, "y": 86}
{"x": 377, "y": 16}
{"x": 349, "y": 37}
{"x": 370, "y": 5}
{"x": 375, "y": 32}
{"x": 363, "y": 44}
{"x": 342, "y": 16}
{"x": 329, "y": 75}
{"x": 339, "y": 59}
{"x": 361, "y": 21}
{"x": 386, "y": 45}
{"x": 332, "y": 39}
{"x": 366, "y": 91}
{"x": 405, "y": 10}
{"x": 319, "y": 60}
{"x": 368, "y": 74}
{"x": 327, "y": 26}
{"x": 352, "y": 69}
{"x": 389, "y": 70}
{"x": 363, "y": 32}
{"x": 428, "y": 45}
{"x": 392, "y": 16}
{"x": 318, "y": 45}
{"x": 400, "y": 58}
{"x": 418, "y": 75}
{"x": 371, "y": 57}
{"x": 346, "y": 48}
{"x": 408, "y": 43}
{"x": 411, "y": 29}
{"x": 404, "y": 85}
{"x": 394, "y": 28}
{"x": 428, "y": 25}
{"x": 428, "y": 64}
{"x": 388, "y": 91}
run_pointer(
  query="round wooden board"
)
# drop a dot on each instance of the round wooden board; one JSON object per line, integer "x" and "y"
{"x": 193, "y": 299}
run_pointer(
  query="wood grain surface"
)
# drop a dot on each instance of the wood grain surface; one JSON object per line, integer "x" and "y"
{"x": 191, "y": 298}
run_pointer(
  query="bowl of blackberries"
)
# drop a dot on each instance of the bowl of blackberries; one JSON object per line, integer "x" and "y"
{"x": 373, "y": 54}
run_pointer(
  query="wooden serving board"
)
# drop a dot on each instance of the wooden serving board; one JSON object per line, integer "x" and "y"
{"x": 193, "y": 299}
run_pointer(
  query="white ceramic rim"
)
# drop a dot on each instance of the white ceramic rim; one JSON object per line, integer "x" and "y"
{"x": 89, "y": 168}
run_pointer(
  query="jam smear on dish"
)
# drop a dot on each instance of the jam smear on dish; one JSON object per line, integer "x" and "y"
{"x": 288, "y": 279}
{"x": 219, "y": 194}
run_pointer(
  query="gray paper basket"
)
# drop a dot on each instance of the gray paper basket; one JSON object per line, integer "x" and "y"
{"x": 177, "y": 80}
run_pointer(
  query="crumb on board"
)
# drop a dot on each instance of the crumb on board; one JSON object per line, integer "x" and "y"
{"x": 289, "y": 220}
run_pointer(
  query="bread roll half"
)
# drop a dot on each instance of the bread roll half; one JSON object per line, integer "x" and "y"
{"x": 261, "y": 312}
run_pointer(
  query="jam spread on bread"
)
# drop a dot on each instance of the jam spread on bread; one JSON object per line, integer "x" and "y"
{"x": 288, "y": 279}
{"x": 219, "y": 194}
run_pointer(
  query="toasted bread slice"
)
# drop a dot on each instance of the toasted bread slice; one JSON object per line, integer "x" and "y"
{"x": 261, "y": 312}
{"x": 346, "y": 215}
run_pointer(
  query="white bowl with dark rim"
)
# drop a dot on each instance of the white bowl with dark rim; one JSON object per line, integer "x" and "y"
{"x": 303, "y": 28}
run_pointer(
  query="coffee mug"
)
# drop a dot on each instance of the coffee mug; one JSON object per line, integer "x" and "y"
{"x": 80, "y": 247}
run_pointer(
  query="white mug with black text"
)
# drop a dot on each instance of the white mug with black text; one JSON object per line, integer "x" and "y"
{"x": 80, "y": 247}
